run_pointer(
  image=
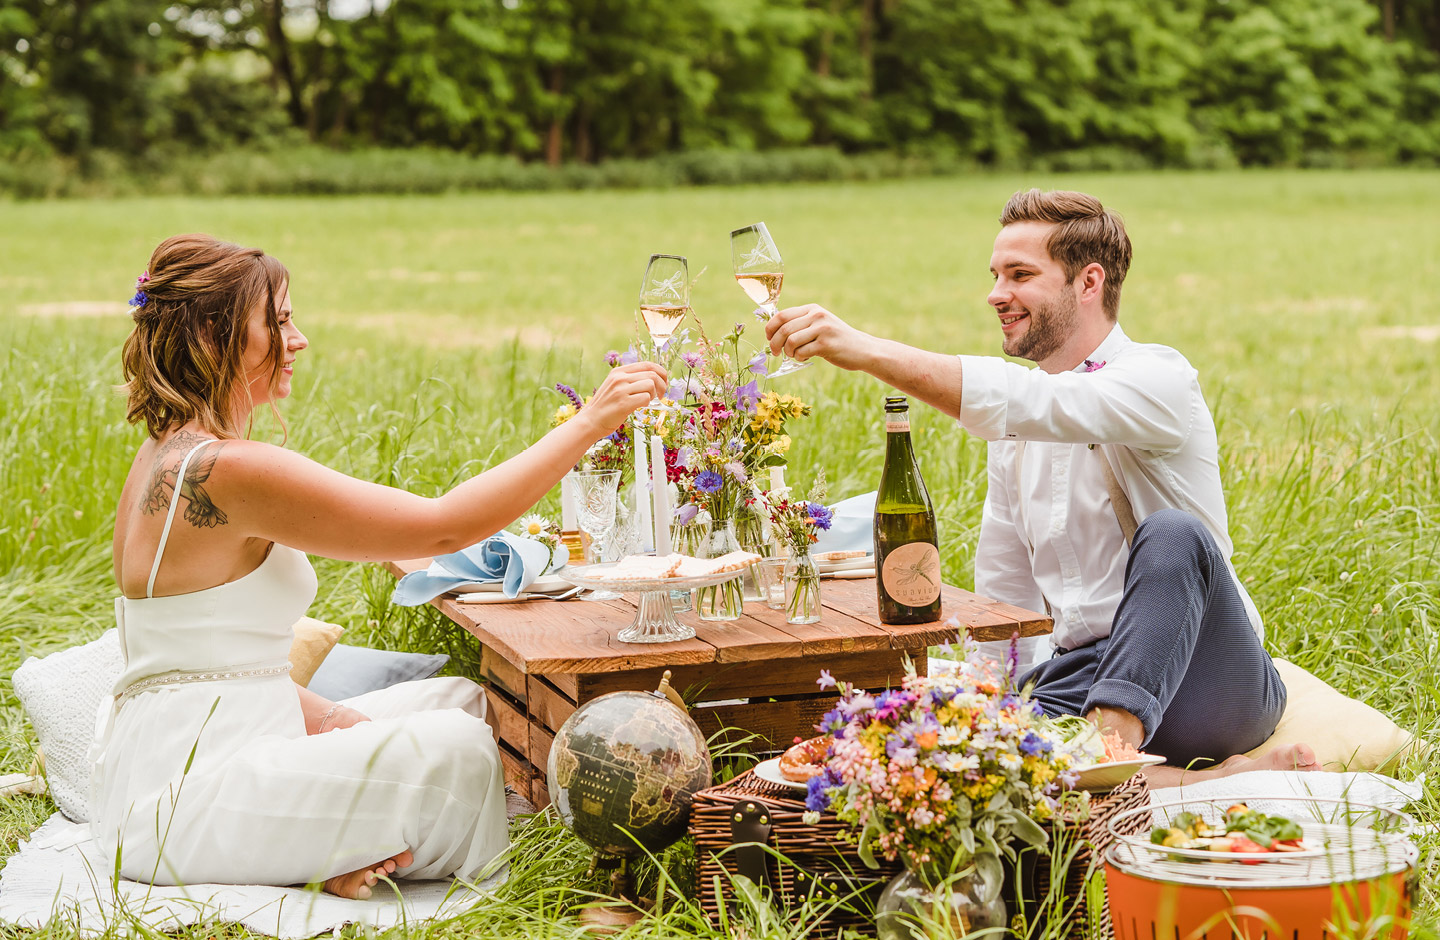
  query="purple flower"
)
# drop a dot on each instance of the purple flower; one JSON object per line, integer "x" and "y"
{"x": 747, "y": 395}
{"x": 820, "y": 515}
{"x": 612, "y": 358}
{"x": 1091, "y": 366}
{"x": 739, "y": 328}
{"x": 826, "y": 681}
{"x": 817, "y": 790}
{"x": 686, "y": 514}
{"x": 140, "y": 299}
{"x": 1012, "y": 657}
{"x": 833, "y": 721}
{"x": 684, "y": 456}
{"x": 144, "y": 276}
{"x": 691, "y": 359}
{"x": 676, "y": 391}
{"x": 709, "y": 482}
{"x": 757, "y": 364}
{"x": 569, "y": 393}
{"x": 630, "y": 355}
{"x": 1033, "y": 744}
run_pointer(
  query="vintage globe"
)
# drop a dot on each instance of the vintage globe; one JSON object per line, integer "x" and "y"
{"x": 628, "y": 762}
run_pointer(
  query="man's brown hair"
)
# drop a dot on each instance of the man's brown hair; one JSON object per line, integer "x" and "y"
{"x": 184, "y": 359}
{"x": 1085, "y": 233}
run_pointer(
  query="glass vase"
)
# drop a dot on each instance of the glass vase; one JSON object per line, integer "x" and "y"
{"x": 802, "y": 588}
{"x": 750, "y": 532}
{"x": 625, "y": 538}
{"x": 726, "y": 600}
{"x": 689, "y": 539}
{"x": 909, "y": 909}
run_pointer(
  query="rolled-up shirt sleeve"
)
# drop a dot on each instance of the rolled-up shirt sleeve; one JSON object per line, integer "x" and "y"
{"x": 1147, "y": 402}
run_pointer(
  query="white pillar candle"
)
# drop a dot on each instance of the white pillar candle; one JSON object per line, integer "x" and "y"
{"x": 641, "y": 496}
{"x": 663, "y": 545}
{"x": 569, "y": 521}
{"x": 777, "y": 478}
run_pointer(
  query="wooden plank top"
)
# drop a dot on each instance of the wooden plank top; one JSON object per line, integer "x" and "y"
{"x": 548, "y": 637}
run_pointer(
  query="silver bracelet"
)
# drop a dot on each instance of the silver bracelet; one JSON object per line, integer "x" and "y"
{"x": 327, "y": 716}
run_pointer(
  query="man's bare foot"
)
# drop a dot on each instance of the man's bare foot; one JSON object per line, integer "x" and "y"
{"x": 1289, "y": 757}
{"x": 357, "y": 884}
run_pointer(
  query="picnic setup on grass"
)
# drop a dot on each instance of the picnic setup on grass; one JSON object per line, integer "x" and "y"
{"x": 700, "y": 648}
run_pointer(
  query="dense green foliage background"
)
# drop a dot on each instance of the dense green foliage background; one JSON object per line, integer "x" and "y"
{"x": 1077, "y": 83}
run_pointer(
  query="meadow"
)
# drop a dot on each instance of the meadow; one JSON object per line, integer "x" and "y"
{"x": 1307, "y": 301}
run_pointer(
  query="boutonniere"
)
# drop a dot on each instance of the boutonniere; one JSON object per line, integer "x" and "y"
{"x": 1092, "y": 366}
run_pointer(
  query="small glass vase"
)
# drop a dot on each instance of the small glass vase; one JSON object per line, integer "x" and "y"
{"x": 750, "y": 532}
{"x": 726, "y": 600}
{"x": 625, "y": 537}
{"x": 909, "y": 909}
{"x": 802, "y": 588}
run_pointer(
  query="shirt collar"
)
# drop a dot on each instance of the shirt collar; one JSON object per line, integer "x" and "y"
{"x": 1113, "y": 342}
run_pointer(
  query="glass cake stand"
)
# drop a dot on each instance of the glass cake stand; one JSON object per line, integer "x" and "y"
{"x": 654, "y": 613}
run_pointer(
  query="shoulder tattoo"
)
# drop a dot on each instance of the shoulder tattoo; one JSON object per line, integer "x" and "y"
{"x": 200, "y": 508}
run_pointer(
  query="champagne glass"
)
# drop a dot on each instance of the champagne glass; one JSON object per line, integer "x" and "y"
{"x": 595, "y": 498}
{"x": 664, "y": 296}
{"x": 760, "y": 272}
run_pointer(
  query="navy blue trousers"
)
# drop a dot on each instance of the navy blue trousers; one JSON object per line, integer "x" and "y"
{"x": 1181, "y": 656}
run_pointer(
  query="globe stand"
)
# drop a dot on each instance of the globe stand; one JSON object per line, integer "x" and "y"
{"x": 606, "y": 919}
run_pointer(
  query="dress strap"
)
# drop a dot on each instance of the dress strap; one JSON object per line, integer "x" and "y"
{"x": 170, "y": 516}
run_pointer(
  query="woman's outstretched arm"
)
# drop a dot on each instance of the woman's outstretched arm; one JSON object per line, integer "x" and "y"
{"x": 270, "y": 493}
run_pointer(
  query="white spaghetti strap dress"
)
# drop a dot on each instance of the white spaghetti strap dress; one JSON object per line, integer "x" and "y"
{"x": 204, "y": 773}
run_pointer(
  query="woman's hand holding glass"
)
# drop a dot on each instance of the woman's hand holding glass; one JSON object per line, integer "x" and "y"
{"x": 626, "y": 389}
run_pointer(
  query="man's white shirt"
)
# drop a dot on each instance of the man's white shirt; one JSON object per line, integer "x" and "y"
{"x": 1048, "y": 534}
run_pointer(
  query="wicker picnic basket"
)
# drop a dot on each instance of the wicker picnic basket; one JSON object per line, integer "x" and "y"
{"x": 731, "y": 821}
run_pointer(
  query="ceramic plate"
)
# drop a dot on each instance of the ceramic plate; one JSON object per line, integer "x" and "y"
{"x": 1109, "y": 776}
{"x": 769, "y": 771}
{"x": 826, "y": 567}
{"x": 545, "y": 584}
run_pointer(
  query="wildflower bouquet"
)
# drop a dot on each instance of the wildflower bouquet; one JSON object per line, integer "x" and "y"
{"x": 611, "y": 452}
{"x": 947, "y": 770}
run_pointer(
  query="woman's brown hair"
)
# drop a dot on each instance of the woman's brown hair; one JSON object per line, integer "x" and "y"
{"x": 183, "y": 361}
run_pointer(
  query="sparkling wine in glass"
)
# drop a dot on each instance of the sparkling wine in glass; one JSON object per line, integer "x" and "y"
{"x": 760, "y": 272}
{"x": 664, "y": 296}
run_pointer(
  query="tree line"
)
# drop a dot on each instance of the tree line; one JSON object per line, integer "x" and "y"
{"x": 1168, "y": 82}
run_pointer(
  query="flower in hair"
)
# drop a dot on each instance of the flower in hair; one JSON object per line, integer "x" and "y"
{"x": 140, "y": 298}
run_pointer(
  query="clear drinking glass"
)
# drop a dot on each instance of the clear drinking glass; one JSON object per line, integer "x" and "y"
{"x": 760, "y": 272}
{"x": 664, "y": 296}
{"x": 595, "y": 498}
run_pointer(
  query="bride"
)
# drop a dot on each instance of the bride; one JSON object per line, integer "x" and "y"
{"x": 212, "y": 765}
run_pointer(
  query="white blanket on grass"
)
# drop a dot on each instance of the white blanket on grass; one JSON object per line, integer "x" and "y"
{"x": 60, "y": 875}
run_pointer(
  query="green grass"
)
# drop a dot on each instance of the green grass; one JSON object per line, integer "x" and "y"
{"x": 1306, "y": 300}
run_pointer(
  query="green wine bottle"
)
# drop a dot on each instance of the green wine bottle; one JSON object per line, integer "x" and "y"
{"x": 907, "y": 553}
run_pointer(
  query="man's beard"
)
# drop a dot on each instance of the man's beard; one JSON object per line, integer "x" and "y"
{"x": 1050, "y": 325}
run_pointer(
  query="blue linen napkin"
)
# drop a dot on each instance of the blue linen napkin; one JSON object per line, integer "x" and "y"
{"x": 509, "y": 559}
{"x": 852, "y": 529}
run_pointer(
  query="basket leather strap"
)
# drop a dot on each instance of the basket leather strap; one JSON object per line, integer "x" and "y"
{"x": 750, "y": 825}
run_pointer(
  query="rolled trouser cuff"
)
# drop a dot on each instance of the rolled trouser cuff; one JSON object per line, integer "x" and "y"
{"x": 1129, "y": 697}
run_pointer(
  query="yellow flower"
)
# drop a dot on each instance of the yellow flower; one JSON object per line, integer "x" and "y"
{"x": 562, "y": 414}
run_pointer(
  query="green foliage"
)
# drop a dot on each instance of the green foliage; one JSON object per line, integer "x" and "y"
{"x": 1061, "y": 83}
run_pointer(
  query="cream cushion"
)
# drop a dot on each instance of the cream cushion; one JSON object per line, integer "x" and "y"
{"x": 62, "y": 693}
{"x": 1346, "y": 734}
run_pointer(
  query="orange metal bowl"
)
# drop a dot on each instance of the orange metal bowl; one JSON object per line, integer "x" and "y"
{"x": 1143, "y": 908}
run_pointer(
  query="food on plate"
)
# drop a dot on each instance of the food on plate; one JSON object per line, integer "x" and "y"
{"x": 699, "y": 567}
{"x": 805, "y": 759}
{"x": 659, "y": 567}
{"x": 1117, "y": 750}
{"x": 839, "y": 556}
{"x": 1243, "y": 832}
{"x": 644, "y": 567}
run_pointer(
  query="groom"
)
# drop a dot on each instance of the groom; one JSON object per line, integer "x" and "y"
{"x": 1155, "y": 638}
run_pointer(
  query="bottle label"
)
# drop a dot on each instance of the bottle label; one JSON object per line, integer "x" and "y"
{"x": 911, "y": 574}
{"x": 895, "y": 423}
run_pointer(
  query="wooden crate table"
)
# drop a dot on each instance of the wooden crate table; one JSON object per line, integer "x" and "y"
{"x": 543, "y": 659}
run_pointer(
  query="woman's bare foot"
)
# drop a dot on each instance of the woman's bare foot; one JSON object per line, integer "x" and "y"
{"x": 357, "y": 884}
{"x": 1289, "y": 757}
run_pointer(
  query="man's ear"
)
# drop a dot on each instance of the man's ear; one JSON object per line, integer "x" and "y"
{"x": 1091, "y": 282}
